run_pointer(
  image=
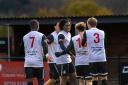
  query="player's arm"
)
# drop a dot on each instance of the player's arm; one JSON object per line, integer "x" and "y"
{"x": 84, "y": 40}
{"x": 67, "y": 50}
{"x": 61, "y": 43}
{"x": 50, "y": 39}
{"x": 61, "y": 38}
{"x": 70, "y": 47}
{"x": 44, "y": 45}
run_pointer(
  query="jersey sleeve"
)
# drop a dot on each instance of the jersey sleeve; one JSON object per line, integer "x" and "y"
{"x": 61, "y": 41}
{"x": 44, "y": 45}
{"x": 50, "y": 39}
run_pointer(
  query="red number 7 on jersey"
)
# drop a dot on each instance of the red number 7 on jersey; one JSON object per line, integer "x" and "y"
{"x": 32, "y": 42}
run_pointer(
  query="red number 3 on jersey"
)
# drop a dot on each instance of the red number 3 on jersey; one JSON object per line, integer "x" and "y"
{"x": 97, "y": 38}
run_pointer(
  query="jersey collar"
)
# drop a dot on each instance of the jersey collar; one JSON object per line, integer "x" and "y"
{"x": 65, "y": 32}
{"x": 93, "y": 28}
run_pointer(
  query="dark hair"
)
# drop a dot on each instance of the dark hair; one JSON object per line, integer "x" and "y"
{"x": 92, "y": 21}
{"x": 81, "y": 26}
{"x": 34, "y": 24}
{"x": 62, "y": 23}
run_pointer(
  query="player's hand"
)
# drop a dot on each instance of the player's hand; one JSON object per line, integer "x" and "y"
{"x": 57, "y": 54}
{"x": 46, "y": 41}
{"x": 50, "y": 59}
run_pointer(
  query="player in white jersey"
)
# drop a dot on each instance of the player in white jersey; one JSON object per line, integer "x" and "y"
{"x": 95, "y": 40}
{"x": 82, "y": 55}
{"x": 35, "y": 48}
{"x": 64, "y": 63}
{"x": 52, "y": 42}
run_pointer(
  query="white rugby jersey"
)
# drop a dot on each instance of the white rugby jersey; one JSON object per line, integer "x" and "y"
{"x": 33, "y": 49}
{"x": 82, "y": 52}
{"x": 64, "y": 58}
{"x": 95, "y": 40}
{"x": 52, "y": 48}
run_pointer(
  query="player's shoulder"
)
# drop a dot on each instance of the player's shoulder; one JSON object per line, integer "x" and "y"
{"x": 75, "y": 37}
{"x": 40, "y": 33}
{"x": 89, "y": 30}
{"x": 100, "y": 31}
{"x": 61, "y": 33}
{"x": 64, "y": 33}
{"x": 54, "y": 33}
{"x": 69, "y": 33}
{"x": 26, "y": 35}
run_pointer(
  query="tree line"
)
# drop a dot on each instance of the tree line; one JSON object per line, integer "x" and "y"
{"x": 62, "y": 7}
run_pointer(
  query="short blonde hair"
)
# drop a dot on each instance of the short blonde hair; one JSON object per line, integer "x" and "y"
{"x": 92, "y": 22}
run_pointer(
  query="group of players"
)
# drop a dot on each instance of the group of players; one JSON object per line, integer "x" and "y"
{"x": 86, "y": 49}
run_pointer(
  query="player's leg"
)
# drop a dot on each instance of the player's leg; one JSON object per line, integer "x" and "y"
{"x": 29, "y": 75}
{"x": 95, "y": 80}
{"x": 88, "y": 77}
{"x": 89, "y": 81}
{"x": 72, "y": 73}
{"x": 72, "y": 78}
{"x": 94, "y": 73}
{"x": 103, "y": 78}
{"x": 81, "y": 81}
{"x": 80, "y": 74}
{"x": 39, "y": 74}
{"x": 62, "y": 73}
{"x": 54, "y": 75}
{"x": 63, "y": 80}
{"x": 103, "y": 73}
{"x": 51, "y": 80}
{"x": 68, "y": 83}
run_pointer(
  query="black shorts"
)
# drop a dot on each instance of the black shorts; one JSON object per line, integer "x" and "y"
{"x": 65, "y": 69}
{"x": 83, "y": 71}
{"x": 98, "y": 68}
{"x": 32, "y": 72}
{"x": 54, "y": 74}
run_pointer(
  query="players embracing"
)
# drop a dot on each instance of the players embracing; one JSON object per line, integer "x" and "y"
{"x": 90, "y": 56}
{"x": 93, "y": 41}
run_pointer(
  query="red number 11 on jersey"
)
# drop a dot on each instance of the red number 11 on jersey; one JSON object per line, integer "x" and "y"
{"x": 80, "y": 43}
{"x": 32, "y": 41}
